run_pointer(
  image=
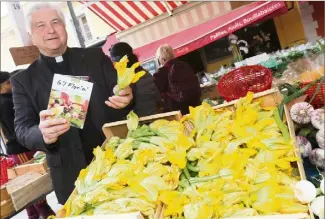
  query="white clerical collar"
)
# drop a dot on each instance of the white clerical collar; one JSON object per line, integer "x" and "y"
{"x": 59, "y": 59}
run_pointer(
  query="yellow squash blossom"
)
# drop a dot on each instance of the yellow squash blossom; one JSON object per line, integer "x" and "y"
{"x": 199, "y": 210}
{"x": 132, "y": 121}
{"x": 125, "y": 75}
{"x": 172, "y": 177}
{"x": 126, "y": 205}
{"x": 125, "y": 149}
{"x": 177, "y": 158}
{"x": 174, "y": 201}
{"x": 143, "y": 156}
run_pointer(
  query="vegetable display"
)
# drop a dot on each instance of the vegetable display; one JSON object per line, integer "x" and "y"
{"x": 231, "y": 163}
{"x": 313, "y": 120}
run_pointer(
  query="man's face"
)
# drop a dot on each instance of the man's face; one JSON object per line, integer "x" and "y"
{"x": 48, "y": 32}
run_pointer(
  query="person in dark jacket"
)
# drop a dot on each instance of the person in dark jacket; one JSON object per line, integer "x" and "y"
{"x": 166, "y": 59}
{"x": 15, "y": 150}
{"x": 147, "y": 95}
{"x": 68, "y": 149}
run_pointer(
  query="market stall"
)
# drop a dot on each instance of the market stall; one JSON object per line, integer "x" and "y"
{"x": 257, "y": 151}
{"x": 237, "y": 159}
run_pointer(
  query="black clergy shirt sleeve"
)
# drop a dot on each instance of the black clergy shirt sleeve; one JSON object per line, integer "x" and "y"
{"x": 26, "y": 120}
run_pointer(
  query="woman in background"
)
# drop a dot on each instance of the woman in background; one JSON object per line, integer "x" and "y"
{"x": 147, "y": 98}
{"x": 176, "y": 81}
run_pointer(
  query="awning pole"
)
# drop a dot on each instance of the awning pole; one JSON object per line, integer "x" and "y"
{"x": 76, "y": 24}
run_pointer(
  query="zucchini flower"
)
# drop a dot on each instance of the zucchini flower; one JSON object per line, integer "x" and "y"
{"x": 125, "y": 75}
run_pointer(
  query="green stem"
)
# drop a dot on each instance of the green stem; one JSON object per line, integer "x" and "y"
{"x": 182, "y": 177}
{"x": 187, "y": 174}
{"x": 183, "y": 183}
{"x": 140, "y": 135}
{"x": 143, "y": 139}
{"x": 180, "y": 189}
{"x": 130, "y": 133}
{"x": 281, "y": 125}
{"x": 207, "y": 178}
{"x": 135, "y": 145}
{"x": 192, "y": 168}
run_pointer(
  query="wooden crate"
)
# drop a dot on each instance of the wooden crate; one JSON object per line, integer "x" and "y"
{"x": 11, "y": 173}
{"x": 29, "y": 166}
{"x": 120, "y": 129}
{"x": 6, "y": 207}
{"x": 27, "y": 188}
{"x": 269, "y": 98}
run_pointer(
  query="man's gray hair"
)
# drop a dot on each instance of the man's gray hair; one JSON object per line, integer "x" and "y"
{"x": 37, "y": 6}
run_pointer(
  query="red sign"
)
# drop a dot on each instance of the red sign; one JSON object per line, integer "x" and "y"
{"x": 231, "y": 26}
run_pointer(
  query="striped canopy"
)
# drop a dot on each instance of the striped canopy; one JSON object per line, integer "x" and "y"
{"x": 122, "y": 15}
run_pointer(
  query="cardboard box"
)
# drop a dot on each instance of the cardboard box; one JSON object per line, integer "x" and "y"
{"x": 24, "y": 55}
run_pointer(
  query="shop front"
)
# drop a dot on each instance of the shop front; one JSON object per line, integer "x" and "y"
{"x": 196, "y": 30}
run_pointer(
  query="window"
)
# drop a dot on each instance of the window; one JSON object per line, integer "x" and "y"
{"x": 150, "y": 66}
{"x": 84, "y": 27}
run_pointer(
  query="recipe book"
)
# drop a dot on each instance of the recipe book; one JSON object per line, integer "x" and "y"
{"x": 69, "y": 98}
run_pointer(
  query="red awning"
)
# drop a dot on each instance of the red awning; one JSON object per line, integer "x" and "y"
{"x": 122, "y": 15}
{"x": 203, "y": 34}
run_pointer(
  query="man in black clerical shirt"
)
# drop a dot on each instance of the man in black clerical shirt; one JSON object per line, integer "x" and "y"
{"x": 68, "y": 149}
